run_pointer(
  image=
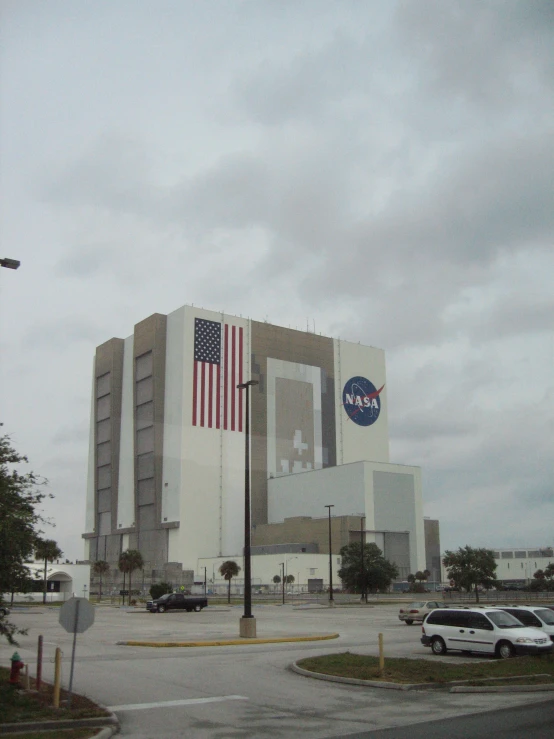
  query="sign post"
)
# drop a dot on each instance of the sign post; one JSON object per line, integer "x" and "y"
{"x": 76, "y": 615}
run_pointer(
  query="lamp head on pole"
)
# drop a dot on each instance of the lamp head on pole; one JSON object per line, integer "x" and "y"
{"x": 250, "y": 383}
{"x": 9, "y": 263}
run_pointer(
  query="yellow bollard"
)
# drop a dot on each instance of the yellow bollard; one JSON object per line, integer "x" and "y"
{"x": 381, "y": 655}
{"x": 57, "y": 676}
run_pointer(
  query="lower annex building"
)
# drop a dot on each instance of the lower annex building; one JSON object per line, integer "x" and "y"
{"x": 167, "y": 440}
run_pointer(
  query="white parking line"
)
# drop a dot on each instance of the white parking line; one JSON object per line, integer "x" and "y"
{"x": 183, "y": 702}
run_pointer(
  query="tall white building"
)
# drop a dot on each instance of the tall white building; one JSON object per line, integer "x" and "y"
{"x": 167, "y": 440}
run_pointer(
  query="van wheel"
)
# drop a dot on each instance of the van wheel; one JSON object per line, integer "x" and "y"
{"x": 409, "y": 622}
{"x": 438, "y": 646}
{"x": 504, "y": 650}
{"x": 197, "y": 608}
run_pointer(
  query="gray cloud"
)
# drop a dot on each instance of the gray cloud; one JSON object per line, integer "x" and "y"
{"x": 489, "y": 54}
{"x": 64, "y": 333}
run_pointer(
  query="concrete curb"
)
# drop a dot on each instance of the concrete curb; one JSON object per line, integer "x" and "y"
{"x": 503, "y": 689}
{"x": 108, "y": 732}
{"x": 228, "y": 642}
{"x": 352, "y": 680}
{"x": 110, "y": 722}
{"x": 458, "y": 686}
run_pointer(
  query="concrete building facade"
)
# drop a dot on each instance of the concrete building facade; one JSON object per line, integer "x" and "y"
{"x": 519, "y": 564}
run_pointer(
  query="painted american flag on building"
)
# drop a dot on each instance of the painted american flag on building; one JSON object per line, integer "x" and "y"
{"x": 218, "y": 369}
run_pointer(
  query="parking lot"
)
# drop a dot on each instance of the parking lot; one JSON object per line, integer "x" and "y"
{"x": 247, "y": 689}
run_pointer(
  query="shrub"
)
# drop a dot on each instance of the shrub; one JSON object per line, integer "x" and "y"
{"x": 160, "y": 588}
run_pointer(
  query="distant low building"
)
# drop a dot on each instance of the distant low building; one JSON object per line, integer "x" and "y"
{"x": 63, "y": 581}
{"x": 520, "y": 564}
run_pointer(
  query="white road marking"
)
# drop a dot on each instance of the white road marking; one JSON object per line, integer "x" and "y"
{"x": 183, "y": 702}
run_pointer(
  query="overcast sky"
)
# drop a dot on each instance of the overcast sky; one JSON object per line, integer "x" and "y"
{"x": 382, "y": 171}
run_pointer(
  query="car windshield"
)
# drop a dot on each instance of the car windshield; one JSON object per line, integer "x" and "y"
{"x": 165, "y": 597}
{"x": 420, "y": 605}
{"x": 504, "y": 620}
{"x": 546, "y": 615}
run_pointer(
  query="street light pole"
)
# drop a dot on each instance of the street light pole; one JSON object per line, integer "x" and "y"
{"x": 283, "y": 582}
{"x": 205, "y": 580}
{"x": 247, "y": 628}
{"x": 331, "y": 599}
{"x": 364, "y": 594}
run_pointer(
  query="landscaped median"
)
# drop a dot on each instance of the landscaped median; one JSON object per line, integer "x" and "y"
{"x": 30, "y": 713}
{"x": 518, "y": 674}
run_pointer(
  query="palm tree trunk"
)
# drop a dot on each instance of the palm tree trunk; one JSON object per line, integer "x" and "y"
{"x": 123, "y": 587}
{"x": 44, "y": 593}
{"x": 100, "y": 588}
{"x": 129, "y": 598}
{"x": 229, "y": 591}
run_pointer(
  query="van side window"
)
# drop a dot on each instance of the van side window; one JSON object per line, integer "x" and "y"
{"x": 441, "y": 618}
{"x": 460, "y": 619}
{"x": 526, "y": 617}
{"x": 480, "y": 621}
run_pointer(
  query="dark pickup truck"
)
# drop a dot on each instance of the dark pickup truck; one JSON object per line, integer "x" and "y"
{"x": 174, "y": 601}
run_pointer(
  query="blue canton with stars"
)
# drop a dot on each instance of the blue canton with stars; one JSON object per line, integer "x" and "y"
{"x": 207, "y": 341}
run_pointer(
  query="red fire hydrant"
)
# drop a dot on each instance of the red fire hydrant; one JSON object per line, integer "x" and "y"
{"x": 17, "y": 666}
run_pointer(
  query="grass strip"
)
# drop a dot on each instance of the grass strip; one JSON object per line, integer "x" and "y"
{"x": 18, "y": 706}
{"x": 56, "y": 734}
{"x": 409, "y": 671}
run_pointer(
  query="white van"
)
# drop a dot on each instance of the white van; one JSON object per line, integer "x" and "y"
{"x": 483, "y": 630}
{"x": 540, "y": 617}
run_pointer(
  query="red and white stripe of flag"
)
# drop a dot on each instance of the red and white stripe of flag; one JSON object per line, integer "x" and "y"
{"x": 216, "y": 401}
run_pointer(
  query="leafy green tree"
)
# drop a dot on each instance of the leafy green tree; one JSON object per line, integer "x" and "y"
{"x": 470, "y": 567}
{"x": 377, "y": 572}
{"x": 289, "y": 579}
{"x": 276, "y": 580}
{"x": 228, "y": 570}
{"x": 23, "y": 583}
{"x": 19, "y": 522}
{"x": 160, "y": 588}
{"x": 47, "y": 550}
{"x": 100, "y": 568}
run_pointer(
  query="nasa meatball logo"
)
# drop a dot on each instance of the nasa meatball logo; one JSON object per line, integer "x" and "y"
{"x": 361, "y": 401}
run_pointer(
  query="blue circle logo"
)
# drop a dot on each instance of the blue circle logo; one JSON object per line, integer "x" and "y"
{"x": 361, "y": 401}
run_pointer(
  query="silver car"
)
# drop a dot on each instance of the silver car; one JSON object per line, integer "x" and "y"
{"x": 417, "y": 610}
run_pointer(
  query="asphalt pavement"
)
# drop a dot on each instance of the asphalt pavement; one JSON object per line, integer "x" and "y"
{"x": 245, "y": 690}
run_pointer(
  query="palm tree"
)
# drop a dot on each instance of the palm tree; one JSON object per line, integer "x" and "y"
{"x": 100, "y": 567}
{"x": 276, "y": 580}
{"x": 123, "y": 565}
{"x": 228, "y": 570}
{"x": 47, "y": 550}
{"x": 135, "y": 562}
